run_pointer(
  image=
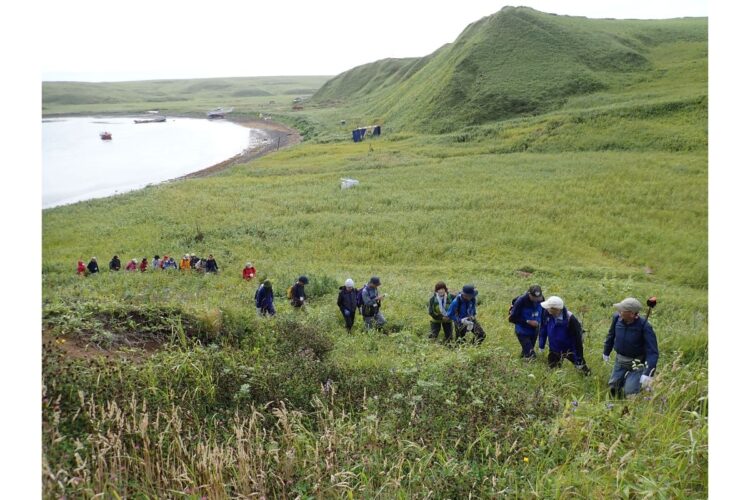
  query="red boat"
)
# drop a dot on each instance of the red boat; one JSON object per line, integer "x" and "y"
{"x": 105, "y": 136}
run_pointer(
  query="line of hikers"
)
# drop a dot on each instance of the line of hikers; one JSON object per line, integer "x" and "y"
{"x": 188, "y": 262}
{"x": 546, "y": 322}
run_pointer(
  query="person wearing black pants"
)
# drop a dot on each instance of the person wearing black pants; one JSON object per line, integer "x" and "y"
{"x": 564, "y": 333}
{"x": 437, "y": 308}
{"x": 347, "y": 303}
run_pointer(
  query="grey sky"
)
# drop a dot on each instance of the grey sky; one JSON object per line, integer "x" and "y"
{"x": 135, "y": 40}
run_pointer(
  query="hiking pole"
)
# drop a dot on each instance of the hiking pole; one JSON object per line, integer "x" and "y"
{"x": 651, "y": 303}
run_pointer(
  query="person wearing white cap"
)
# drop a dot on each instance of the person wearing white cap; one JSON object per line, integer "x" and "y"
{"x": 564, "y": 333}
{"x": 347, "y": 303}
{"x": 132, "y": 265}
{"x": 185, "y": 263}
{"x": 634, "y": 340}
{"x": 93, "y": 266}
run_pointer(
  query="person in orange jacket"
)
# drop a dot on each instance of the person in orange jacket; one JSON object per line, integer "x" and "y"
{"x": 185, "y": 263}
{"x": 248, "y": 272}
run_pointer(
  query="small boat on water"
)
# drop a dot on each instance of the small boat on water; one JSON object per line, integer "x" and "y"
{"x": 105, "y": 136}
{"x": 155, "y": 119}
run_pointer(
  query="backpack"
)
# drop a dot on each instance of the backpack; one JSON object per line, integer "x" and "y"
{"x": 510, "y": 308}
{"x": 360, "y": 299}
{"x": 289, "y": 292}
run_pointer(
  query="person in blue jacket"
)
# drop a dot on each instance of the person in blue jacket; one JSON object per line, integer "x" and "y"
{"x": 463, "y": 312}
{"x": 526, "y": 314}
{"x": 564, "y": 333}
{"x": 264, "y": 299}
{"x": 634, "y": 340}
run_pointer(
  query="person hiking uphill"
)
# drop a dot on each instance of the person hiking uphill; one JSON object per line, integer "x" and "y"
{"x": 248, "y": 272}
{"x": 264, "y": 299}
{"x": 371, "y": 302}
{"x": 347, "y": 302}
{"x": 526, "y": 314}
{"x": 463, "y": 312}
{"x": 634, "y": 340}
{"x": 564, "y": 333}
{"x": 437, "y": 308}
{"x": 92, "y": 266}
{"x": 296, "y": 294}
{"x": 114, "y": 264}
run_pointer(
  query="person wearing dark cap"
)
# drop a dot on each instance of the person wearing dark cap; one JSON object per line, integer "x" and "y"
{"x": 463, "y": 312}
{"x": 371, "y": 302}
{"x": 93, "y": 266}
{"x": 297, "y": 292}
{"x": 437, "y": 308}
{"x": 526, "y": 314}
{"x": 114, "y": 264}
{"x": 564, "y": 333}
{"x": 264, "y": 299}
{"x": 634, "y": 340}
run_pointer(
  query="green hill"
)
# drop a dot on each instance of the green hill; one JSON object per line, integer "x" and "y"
{"x": 161, "y": 383}
{"x": 245, "y": 94}
{"x": 517, "y": 62}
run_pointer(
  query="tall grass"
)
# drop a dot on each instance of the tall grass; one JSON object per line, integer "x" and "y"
{"x": 167, "y": 384}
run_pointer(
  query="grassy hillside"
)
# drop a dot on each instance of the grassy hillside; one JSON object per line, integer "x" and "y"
{"x": 178, "y": 96}
{"x": 168, "y": 384}
{"x": 517, "y": 62}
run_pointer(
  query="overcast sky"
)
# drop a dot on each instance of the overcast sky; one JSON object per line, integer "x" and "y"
{"x": 135, "y": 40}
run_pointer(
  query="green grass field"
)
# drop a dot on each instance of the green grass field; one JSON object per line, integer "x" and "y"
{"x": 597, "y": 196}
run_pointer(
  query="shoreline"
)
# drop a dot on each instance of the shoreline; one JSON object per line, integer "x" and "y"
{"x": 278, "y": 136}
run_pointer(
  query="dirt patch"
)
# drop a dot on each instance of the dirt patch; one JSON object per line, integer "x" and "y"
{"x": 277, "y": 137}
{"x": 80, "y": 348}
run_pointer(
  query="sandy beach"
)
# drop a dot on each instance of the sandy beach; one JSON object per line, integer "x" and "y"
{"x": 277, "y": 136}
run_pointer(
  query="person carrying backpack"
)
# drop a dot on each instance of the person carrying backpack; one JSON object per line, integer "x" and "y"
{"x": 437, "y": 308}
{"x": 93, "y": 266}
{"x": 114, "y": 264}
{"x": 264, "y": 299}
{"x": 564, "y": 333}
{"x": 296, "y": 293}
{"x": 211, "y": 265}
{"x": 347, "y": 303}
{"x": 634, "y": 340}
{"x": 371, "y": 302}
{"x": 463, "y": 312}
{"x": 526, "y": 315}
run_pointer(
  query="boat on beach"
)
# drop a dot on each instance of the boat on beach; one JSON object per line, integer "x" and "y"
{"x": 155, "y": 119}
{"x": 105, "y": 136}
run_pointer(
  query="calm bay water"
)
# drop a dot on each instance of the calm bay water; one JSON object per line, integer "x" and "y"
{"x": 77, "y": 165}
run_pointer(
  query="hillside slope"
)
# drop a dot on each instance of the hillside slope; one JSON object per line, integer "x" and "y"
{"x": 517, "y": 62}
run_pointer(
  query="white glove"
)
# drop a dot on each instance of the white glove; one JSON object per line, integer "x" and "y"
{"x": 465, "y": 321}
{"x": 605, "y": 357}
{"x": 646, "y": 381}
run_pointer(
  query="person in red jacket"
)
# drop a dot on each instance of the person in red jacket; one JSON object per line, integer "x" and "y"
{"x": 81, "y": 268}
{"x": 248, "y": 272}
{"x": 132, "y": 265}
{"x": 144, "y": 265}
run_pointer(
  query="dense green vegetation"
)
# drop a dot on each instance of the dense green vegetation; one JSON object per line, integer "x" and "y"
{"x": 167, "y": 384}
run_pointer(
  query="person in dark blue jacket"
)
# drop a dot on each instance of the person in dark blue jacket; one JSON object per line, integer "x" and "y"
{"x": 564, "y": 333}
{"x": 93, "y": 266}
{"x": 347, "y": 303}
{"x": 264, "y": 299}
{"x": 526, "y": 314}
{"x": 463, "y": 312}
{"x": 634, "y": 340}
